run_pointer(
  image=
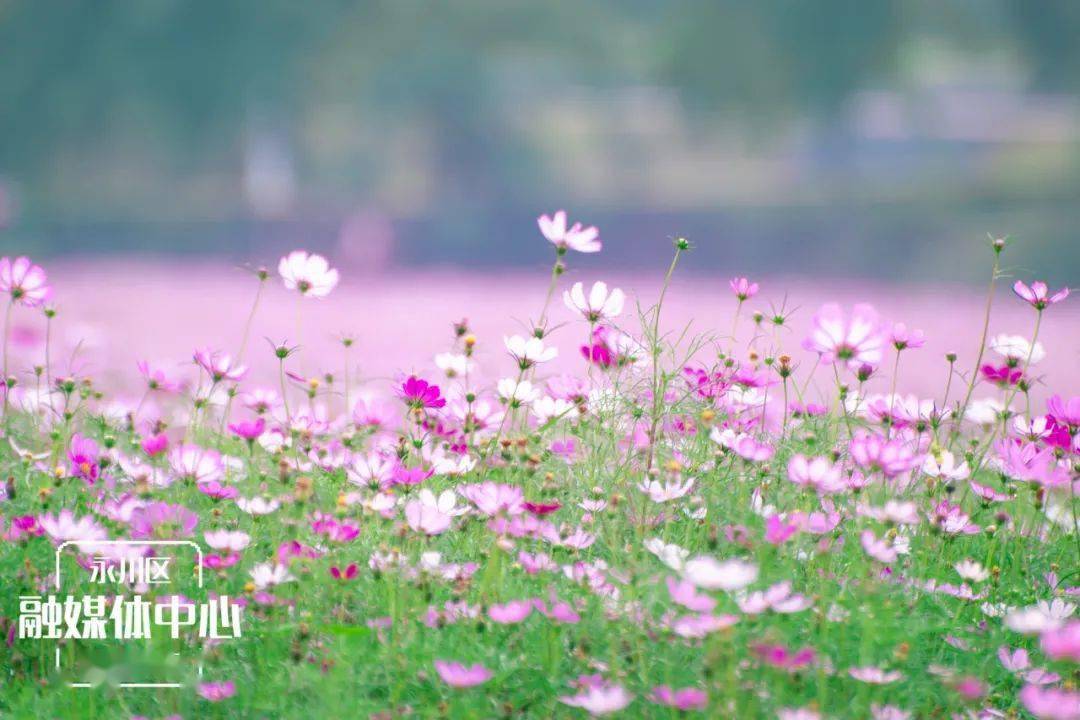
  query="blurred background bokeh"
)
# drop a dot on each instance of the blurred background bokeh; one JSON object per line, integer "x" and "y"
{"x": 862, "y": 138}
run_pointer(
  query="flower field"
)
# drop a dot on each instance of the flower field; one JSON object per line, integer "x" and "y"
{"x": 591, "y": 499}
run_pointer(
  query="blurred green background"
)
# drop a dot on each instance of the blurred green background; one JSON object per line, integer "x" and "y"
{"x": 876, "y": 138}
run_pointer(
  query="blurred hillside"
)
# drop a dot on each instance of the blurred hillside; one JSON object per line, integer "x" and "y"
{"x": 874, "y": 138}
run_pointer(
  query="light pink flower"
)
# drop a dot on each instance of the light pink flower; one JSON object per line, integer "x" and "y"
{"x": 875, "y": 675}
{"x": 817, "y": 473}
{"x": 685, "y": 593}
{"x": 743, "y": 288}
{"x": 599, "y": 699}
{"x": 219, "y": 365}
{"x": 1063, "y": 643}
{"x": 880, "y": 550}
{"x": 196, "y": 464}
{"x": 457, "y": 675}
{"x": 1051, "y": 703}
{"x": 582, "y": 239}
{"x": 855, "y": 343}
{"x": 1038, "y": 295}
{"x": 426, "y": 518}
{"x": 310, "y": 275}
{"x": 510, "y": 613}
{"x": 24, "y": 281}
{"x": 711, "y": 574}
{"x": 217, "y": 691}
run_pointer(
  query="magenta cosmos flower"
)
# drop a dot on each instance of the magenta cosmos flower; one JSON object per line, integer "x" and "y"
{"x": 1038, "y": 295}
{"x": 24, "y": 281}
{"x": 856, "y": 342}
{"x": 83, "y": 456}
{"x": 743, "y": 288}
{"x": 249, "y": 429}
{"x": 420, "y": 394}
{"x": 582, "y": 239}
{"x": 457, "y": 675}
{"x": 310, "y": 275}
{"x": 219, "y": 365}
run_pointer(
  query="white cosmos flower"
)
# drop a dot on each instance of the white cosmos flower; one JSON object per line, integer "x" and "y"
{"x": 1034, "y": 429}
{"x": 517, "y": 393}
{"x": 984, "y": 412}
{"x": 1015, "y": 348}
{"x": 971, "y": 570}
{"x": 599, "y": 305}
{"x": 660, "y": 492}
{"x": 669, "y": 553}
{"x": 945, "y": 467}
{"x": 233, "y": 540}
{"x": 529, "y": 351}
{"x": 445, "y": 502}
{"x": 548, "y": 408}
{"x": 266, "y": 575}
{"x": 711, "y": 574}
{"x": 309, "y": 274}
{"x": 453, "y": 364}
{"x": 257, "y": 505}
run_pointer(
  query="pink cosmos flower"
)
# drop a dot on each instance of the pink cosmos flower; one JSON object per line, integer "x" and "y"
{"x": 743, "y": 288}
{"x": 24, "y": 282}
{"x": 310, "y": 275}
{"x": 163, "y": 521}
{"x": 420, "y": 394}
{"x": 155, "y": 444}
{"x": 599, "y": 305}
{"x": 1065, "y": 412}
{"x": 903, "y": 339}
{"x": 987, "y": 493}
{"x": 875, "y": 675}
{"x": 854, "y": 343}
{"x": 64, "y": 527}
{"x": 779, "y": 531}
{"x": 685, "y": 593}
{"x": 684, "y": 699}
{"x": 83, "y": 453}
{"x": 1051, "y": 703}
{"x": 777, "y": 598}
{"x": 1038, "y": 295}
{"x": 219, "y": 365}
{"x": 1013, "y": 660}
{"x": 874, "y": 452}
{"x": 1063, "y": 643}
{"x": 599, "y": 699}
{"x": 155, "y": 378}
{"x": 217, "y": 691}
{"x": 511, "y": 613}
{"x": 817, "y": 473}
{"x": 581, "y": 239}
{"x": 196, "y": 464}
{"x": 880, "y": 550}
{"x": 249, "y": 430}
{"x": 426, "y": 518}
{"x": 457, "y": 675}
{"x": 493, "y": 498}
{"x": 711, "y": 574}
{"x": 781, "y": 657}
{"x": 746, "y": 447}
